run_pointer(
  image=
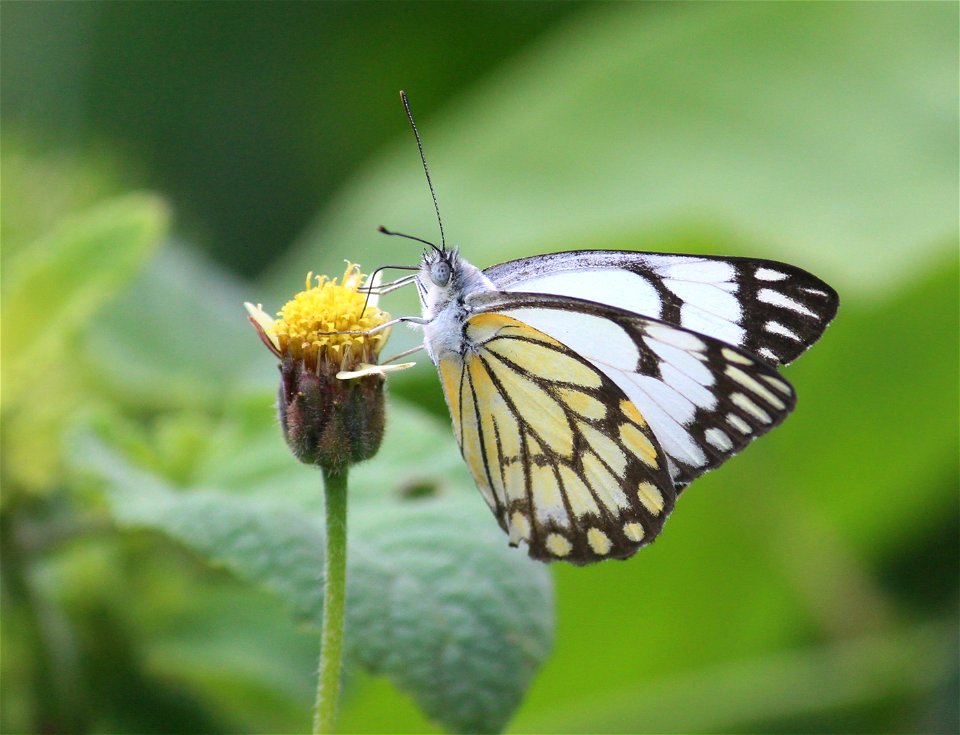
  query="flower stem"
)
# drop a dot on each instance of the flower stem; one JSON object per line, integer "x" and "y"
{"x": 334, "y": 599}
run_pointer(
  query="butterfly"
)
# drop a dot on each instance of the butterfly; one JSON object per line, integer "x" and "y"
{"x": 588, "y": 388}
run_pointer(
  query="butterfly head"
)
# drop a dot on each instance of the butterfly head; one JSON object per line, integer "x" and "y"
{"x": 440, "y": 275}
{"x": 447, "y": 279}
{"x": 437, "y": 267}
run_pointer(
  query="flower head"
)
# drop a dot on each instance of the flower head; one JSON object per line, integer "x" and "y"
{"x": 319, "y": 325}
{"x": 331, "y": 389}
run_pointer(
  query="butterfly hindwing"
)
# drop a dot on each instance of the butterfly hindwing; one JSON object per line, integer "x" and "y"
{"x": 770, "y": 309}
{"x": 704, "y": 400}
{"x": 566, "y": 462}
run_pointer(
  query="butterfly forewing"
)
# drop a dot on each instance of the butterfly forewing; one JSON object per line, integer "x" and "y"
{"x": 704, "y": 400}
{"x": 769, "y": 309}
{"x": 566, "y": 462}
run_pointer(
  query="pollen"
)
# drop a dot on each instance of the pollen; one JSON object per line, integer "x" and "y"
{"x": 324, "y": 324}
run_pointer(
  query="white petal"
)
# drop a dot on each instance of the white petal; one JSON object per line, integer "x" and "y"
{"x": 364, "y": 369}
{"x": 263, "y": 320}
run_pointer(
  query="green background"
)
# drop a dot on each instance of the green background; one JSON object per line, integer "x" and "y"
{"x": 809, "y": 585}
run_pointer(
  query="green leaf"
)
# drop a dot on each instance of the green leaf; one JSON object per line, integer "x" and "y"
{"x": 437, "y": 601}
{"x": 239, "y": 652}
{"x": 51, "y": 290}
{"x": 55, "y": 285}
{"x": 43, "y": 183}
{"x": 746, "y": 695}
{"x": 247, "y": 454}
{"x": 199, "y": 348}
{"x": 468, "y": 621}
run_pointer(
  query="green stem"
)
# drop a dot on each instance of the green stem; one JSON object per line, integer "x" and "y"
{"x": 334, "y": 599}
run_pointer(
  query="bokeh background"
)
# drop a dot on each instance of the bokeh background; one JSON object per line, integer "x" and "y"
{"x": 809, "y": 585}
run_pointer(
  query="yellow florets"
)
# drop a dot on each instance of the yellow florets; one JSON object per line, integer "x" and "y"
{"x": 305, "y": 322}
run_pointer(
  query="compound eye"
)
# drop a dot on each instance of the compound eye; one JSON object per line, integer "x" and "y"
{"x": 440, "y": 273}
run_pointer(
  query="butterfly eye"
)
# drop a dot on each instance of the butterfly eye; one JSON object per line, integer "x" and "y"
{"x": 440, "y": 273}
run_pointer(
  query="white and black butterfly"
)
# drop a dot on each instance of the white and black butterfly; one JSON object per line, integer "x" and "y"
{"x": 588, "y": 388}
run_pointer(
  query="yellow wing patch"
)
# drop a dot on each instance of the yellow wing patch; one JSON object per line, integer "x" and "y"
{"x": 450, "y": 373}
{"x": 638, "y": 441}
{"x": 534, "y": 357}
{"x": 565, "y": 461}
{"x": 544, "y": 412}
{"x": 583, "y": 403}
{"x": 632, "y": 412}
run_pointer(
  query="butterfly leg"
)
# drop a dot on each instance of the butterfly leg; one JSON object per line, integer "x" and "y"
{"x": 384, "y": 288}
{"x": 386, "y": 325}
{"x": 405, "y": 353}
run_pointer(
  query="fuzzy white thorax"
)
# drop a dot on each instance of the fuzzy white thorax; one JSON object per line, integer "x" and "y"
{"x": 446, "y": 306}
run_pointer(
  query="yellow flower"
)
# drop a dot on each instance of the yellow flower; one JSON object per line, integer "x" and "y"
{"x": 315, "y": 326}
{"x": 331, "y": 387}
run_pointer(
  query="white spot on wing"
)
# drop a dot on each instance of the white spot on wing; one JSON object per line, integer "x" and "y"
{"x": 718, "y": 439}
{"x": 558, "y": 545}
{"x": 748, "y": 406}
{"x": 778, "y": 384}
{"x": 778, "y": 328}
{"x": 633, "y": 532}
{"x": 599, "y": 541}
{"x": 766, "y": 274}
{"x": 756, "y": 386}
{"x": 769, "y": 296}
{"x": 732, "y": 356}
{"x": 739, "y": 424}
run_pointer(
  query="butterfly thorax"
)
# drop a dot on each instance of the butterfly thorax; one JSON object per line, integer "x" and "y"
{"x": 446, "y": 305}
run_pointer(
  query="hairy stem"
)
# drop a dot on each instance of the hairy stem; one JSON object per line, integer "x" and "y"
{"x": 334, "y": 599}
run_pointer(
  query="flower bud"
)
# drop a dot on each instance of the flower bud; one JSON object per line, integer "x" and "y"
{"x": 328, "y": 421}
{"x": 331, "y": 389}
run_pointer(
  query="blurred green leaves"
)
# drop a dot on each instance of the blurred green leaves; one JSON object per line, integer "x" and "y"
{"x": 54, "y": 286}
{"x": 57, "y": 283}
{"x": 172, "y": 338}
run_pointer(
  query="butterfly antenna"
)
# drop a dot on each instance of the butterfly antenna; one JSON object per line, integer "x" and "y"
{"x": 426, "y": 170}
{"x": 373, "y": 277}
{"x": 385, "y": 231}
